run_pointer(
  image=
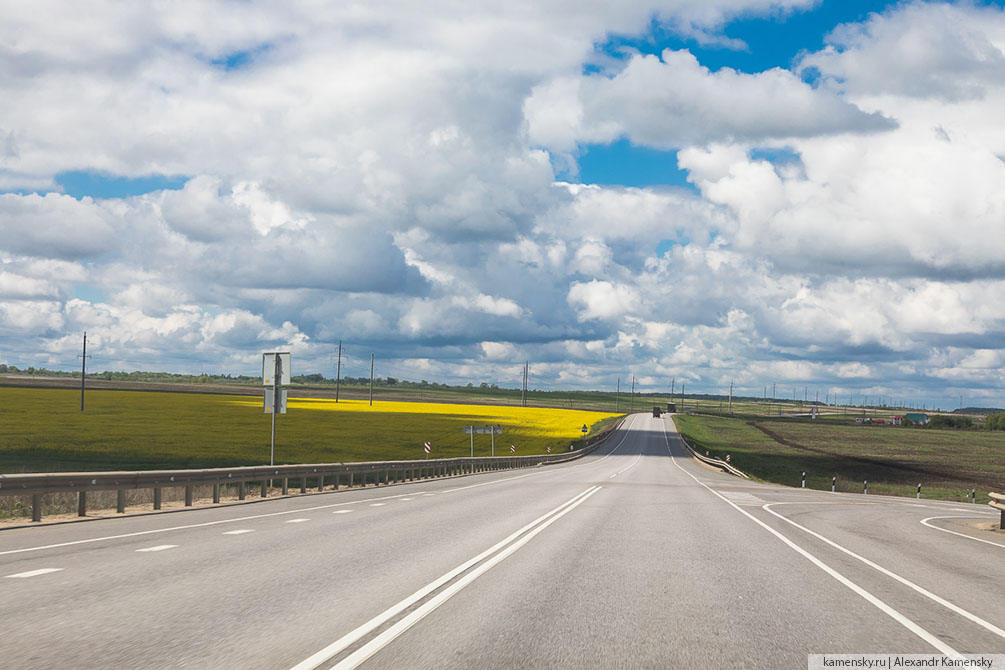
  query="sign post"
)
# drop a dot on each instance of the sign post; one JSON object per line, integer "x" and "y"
{"x": 275, "y": 373}
{"x": 481, "y": 430}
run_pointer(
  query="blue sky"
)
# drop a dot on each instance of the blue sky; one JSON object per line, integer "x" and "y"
{"x": 771, "y": 41}
{"x": 836, "y": 226}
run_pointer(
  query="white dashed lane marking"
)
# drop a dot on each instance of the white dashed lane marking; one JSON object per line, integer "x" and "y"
{"x": 342, "y": 511}
{"x": 33, "y": 573}
{"x": 378, "y": 504}
{"x": 297, "y": 520}
{"x": 238, "y": 532}
{"x": 159, "y": 547}
{"x": 404, "y": 499}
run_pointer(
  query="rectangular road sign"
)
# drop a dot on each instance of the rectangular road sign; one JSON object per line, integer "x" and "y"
{"x": 483, "y": 430}
{"x": 269, "y": 368}
{"x": 270, "y": 401}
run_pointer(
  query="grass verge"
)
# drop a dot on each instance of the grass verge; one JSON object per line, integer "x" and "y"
{"x": 894, "y": 460}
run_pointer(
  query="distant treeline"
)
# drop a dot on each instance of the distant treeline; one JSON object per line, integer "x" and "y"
{"x": 978, "y": 410}
{"x": 163, "y": 377}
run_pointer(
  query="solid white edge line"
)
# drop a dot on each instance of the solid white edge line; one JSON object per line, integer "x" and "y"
{"x": 924, "y": 522}
{"x": 386, "y": 637}
{"x": 349, "y": 638}
{"x": 873, "y": 600}
{"x": 266, "y": 515}
{"x": 32, "y": 573}
{"x": 906, "y": 582}
{"x": 198, "y": 525}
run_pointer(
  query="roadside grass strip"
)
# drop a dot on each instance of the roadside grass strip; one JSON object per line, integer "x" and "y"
{"x": 142, "y": 430}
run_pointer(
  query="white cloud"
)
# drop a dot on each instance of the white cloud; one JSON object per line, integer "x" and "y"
{"x": 375, "y": 173}
{"x": 672, "y": 101}
{"x": 602, "y": 299}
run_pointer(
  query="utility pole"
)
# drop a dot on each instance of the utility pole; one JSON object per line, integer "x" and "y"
{"x": 682, "y": 396}
{"x": 672, "y": 382}
{"x": 338, "y": 371}
{"x": 523, "y": 389}
{"x": 371, "y": 379}
{"x": 617, "y": 396}
{"x": 83, "y": 371}
{"x": 633, "y": 393}
{"x": 730, "y": 409}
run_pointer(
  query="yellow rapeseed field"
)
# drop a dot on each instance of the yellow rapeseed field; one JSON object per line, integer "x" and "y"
{"x": 44, "y": 429}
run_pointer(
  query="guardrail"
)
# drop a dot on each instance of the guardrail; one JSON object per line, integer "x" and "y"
{"x": 714, "y": 462}
{"x": 998, "y": 502}
{"x": 324, "y": 475}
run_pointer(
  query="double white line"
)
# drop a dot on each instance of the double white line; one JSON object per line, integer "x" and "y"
{"x": 484, "y": 562}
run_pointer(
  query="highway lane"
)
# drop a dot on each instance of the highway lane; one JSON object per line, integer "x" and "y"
{"x": 636, "y": 556}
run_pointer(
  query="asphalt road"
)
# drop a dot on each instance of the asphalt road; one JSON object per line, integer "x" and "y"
{"x": 634, "y": 556}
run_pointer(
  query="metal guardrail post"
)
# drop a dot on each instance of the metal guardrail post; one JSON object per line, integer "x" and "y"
{"x": 286, "y": 486}
{"x": 36, "y": 508}
{"x": 36, "y": 485}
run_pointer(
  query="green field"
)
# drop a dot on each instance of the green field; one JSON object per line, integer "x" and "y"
{"x": 44, "y": 430}
{"x": 893, "y": 459}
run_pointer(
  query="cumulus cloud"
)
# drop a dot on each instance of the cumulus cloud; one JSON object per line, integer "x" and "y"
{"x": 920, "y": 50}
{"x": 382, "y": 174}
{"x": 672, "y": 101}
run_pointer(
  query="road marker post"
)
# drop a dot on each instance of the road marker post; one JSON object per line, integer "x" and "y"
{"x": 919, "y": 490}
{"x": 834, "y": 480}
{"x": 804, "y": 480}
{"x": 865, "y": 487}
